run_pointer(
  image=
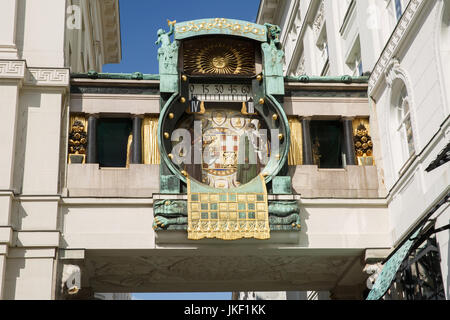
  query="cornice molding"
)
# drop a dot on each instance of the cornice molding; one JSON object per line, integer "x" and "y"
{"x": 12, "y": 69}
{"x": 404, "y": 25}
{"x": 269, "y": 11}
{"x": 47, "y": 77}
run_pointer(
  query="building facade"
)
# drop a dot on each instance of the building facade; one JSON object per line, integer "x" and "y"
{"x": 403, "y": 46}
{"x": 37, "y": 55}
{"x": 108, "y": 206}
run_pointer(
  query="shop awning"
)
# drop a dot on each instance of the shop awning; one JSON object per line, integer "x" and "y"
{"x": 387, "y": 275}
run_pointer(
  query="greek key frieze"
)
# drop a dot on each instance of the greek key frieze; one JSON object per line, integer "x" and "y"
{"x": 12, "y": 69}
{"x": 47, "y": 77}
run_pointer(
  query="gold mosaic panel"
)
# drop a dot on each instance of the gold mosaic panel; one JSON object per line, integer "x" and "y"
{"x": 228, "y": 216}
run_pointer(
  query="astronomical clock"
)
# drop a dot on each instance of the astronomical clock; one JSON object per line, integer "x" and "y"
{"x": 223, "y": 134}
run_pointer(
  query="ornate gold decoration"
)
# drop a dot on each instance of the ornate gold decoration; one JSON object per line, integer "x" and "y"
{"x": 221, "y": 24}
{"x": 244, "y": 110}
{"x": 184, "y": 173}
{"x": 166, "y": 135}
{"x": 171, "y": 115}
{"x": 275, "y": 117}
{"x": 363, "y": 144}
{"x": 171, "y": 23}
{"x": 228, "y": 215}
{"x": 182, "y": 99}
{"x": 280, "y": 136}
{"x": 170, "y": 156}
{"x": 219, "y": 57}
{"x": 295, "y": 156}
{"x": 183, "y": 77}
{"x": 150, "y": 140}
{"x": 261, "y": 101}
{"x": 259, "y": 77}
{"x": 77, "y": 139}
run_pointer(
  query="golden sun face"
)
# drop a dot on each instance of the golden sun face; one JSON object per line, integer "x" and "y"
{"x": 220, "y": 57}
{"x": 219, "y": 62}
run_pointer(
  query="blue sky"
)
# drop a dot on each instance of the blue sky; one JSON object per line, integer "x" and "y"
{"x": 140, "y": 20}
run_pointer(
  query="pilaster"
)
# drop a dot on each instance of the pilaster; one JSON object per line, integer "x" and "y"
{"x": 92, "y": 139}
{"x": 136, "y": 155}
{"x": 8, "y": 19}
{"x": 11, "y": 79}
{"x": 5, "y": 240}
{"x": 306, "y": 142}
{"x": 349, "y": 149}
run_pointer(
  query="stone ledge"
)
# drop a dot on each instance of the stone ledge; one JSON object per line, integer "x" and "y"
{"x": 6, "y": 235}
{"x": 36, "y": 239}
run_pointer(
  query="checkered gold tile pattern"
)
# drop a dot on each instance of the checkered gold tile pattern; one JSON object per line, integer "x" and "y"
{"x": 228, "y": 215}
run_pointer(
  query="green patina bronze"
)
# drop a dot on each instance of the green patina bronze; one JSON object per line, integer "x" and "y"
{"x": 282, "y": 185}
{"x": 273, "y": 61}
{"x": 172, "y": 215}
{"x": 390, "y": 268}
{"x": 168, "y": 61}
{"x": 140, "y": 76}
{"x": 341, "y": 79}
{"x": 268, "y": 95}
{"x": 115, "y": 76}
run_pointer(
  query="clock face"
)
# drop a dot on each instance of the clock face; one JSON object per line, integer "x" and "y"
{"x": 227, "y": 139}
{"x": 219, "y": 92}
{"x": 221, "y": 129}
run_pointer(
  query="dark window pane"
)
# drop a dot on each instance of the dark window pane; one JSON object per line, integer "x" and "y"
{"x": 326, "y": 140}
{"x": 112, "y": 141}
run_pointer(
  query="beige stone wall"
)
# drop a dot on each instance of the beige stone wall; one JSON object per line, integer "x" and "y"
{"x": 350, "y": 182}
{"x": 88, "y": 180}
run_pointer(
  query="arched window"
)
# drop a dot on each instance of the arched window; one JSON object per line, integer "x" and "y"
{"x": 404, "y": 128}
{"x": 403, "y": 137}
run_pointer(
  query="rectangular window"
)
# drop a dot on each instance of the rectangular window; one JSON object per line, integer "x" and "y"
{"x": 326, "y": 142}
{"x": 112, "y": 141}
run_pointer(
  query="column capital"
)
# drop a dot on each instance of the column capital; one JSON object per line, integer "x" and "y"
{"x": 348, "y": 118}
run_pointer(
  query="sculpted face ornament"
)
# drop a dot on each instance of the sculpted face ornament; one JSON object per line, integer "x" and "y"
{"x": 219, "y": 62}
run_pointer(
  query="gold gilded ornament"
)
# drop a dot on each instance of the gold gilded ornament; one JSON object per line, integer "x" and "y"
{"x": 224, "y": 57}
{"x": 182, "y": 99}
{"x": 171, "y": 115}
{"x": 275, "y": 117}
{"x": 166, "y": 135}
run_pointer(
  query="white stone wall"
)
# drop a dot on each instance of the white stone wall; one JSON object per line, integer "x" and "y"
{"x": 419, "y": 52}
{"x": 34, "y": 88}
{"x": 347, "y": 23}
